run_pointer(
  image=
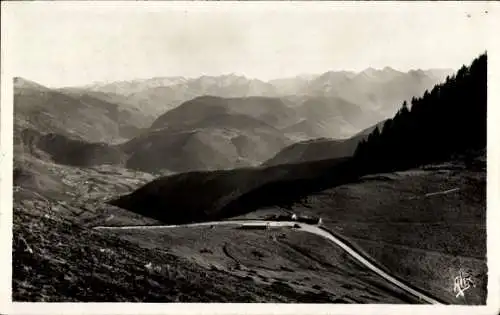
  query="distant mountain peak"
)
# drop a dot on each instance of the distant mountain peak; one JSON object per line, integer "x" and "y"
{"x": 390, "y": 69}
{"x": 329, "y": 75}
{"x": 386, "y": 73}
{"x": 375, "y": 71}
{"x": 369, "y": 72}
{"x": 417, "y": 72}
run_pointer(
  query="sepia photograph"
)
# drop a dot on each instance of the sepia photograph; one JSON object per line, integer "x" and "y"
{"x": 204, "y": 152}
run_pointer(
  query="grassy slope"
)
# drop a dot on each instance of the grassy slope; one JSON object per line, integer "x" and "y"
{"x": 57, "y": 258}
{"x": 48, "y": 266}
{"x": 423, "y": 240}
{"x": 305, "y": 262}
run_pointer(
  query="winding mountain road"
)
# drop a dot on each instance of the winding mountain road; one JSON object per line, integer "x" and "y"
{"x": 304, "y": 227}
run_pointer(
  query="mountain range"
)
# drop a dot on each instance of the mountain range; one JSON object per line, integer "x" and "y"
{"x": 157, "y": 95}
{"x": 206, "y": 123}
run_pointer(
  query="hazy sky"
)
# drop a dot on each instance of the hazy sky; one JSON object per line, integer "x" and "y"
{"x": 62, "y": 44}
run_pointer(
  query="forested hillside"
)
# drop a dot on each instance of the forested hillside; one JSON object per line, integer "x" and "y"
{"x": 449, "y": 120}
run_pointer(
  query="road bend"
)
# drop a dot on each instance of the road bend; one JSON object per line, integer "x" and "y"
{"x": 313, "y": 229}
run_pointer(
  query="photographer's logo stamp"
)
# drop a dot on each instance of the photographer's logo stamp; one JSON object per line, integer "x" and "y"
{"x": 462, "y": 283}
